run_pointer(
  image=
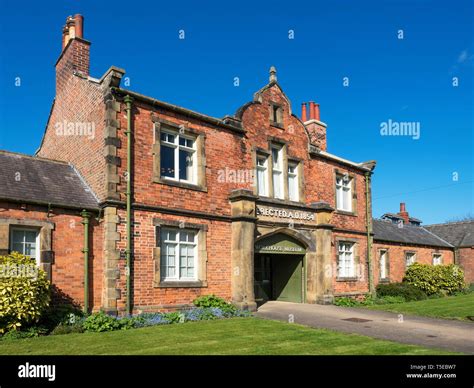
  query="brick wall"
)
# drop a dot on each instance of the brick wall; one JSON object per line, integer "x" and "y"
{"x": 396, "y": 252}
{"x": 466, "y": 261}
{"x": 67, "y": 242}
{"x": 145, "y": 294}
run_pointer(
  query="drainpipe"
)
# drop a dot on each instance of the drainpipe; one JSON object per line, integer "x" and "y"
{"x": 368, "y": 225}
{"x": 85, "y": 221}
{"x": 128, "y": 253}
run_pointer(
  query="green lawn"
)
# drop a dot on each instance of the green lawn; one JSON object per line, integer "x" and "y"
{"x": 451, "y": 307}
{"x": 238, "y": 336}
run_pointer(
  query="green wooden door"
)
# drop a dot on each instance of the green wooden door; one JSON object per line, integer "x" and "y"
{"x": 287, "y": 278}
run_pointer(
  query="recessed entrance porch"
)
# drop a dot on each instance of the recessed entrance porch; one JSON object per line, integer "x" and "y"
{"x": 279, "y": 269}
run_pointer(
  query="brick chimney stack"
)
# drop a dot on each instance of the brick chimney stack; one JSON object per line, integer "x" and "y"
{"x": 315, "y": 127}
{"x": 403, "y": 213}
{"x": 75, "y": 54}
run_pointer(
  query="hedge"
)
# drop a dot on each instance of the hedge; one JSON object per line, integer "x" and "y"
{"x": 435, "y": 279}
{"x": 407, "y": 291}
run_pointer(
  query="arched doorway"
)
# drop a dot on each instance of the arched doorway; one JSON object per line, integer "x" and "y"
{"x": 279, "y": 269}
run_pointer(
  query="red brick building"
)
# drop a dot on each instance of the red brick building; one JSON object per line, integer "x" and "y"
{"x": 461, "y": 236}
{"x": 400, "y": 240}
{"x": 250, "y": 207}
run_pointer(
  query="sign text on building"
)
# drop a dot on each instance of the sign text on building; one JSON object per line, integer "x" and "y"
{"x": 284, "y": 213}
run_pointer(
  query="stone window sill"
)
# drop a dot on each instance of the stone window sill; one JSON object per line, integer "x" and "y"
{"x": 351, "y": 279}
{"x": 183, "y": 185}
{"x": 345, "y": 213}
{"x": 181, "y": 284}
{"x": 386, "y": 280}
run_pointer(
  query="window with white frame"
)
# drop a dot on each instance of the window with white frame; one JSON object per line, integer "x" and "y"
{"x": 177, "y": 157}
{"x": 346, "y": 265}
{"x": 437, "y": 259}
{"x": 178, "y": 254}
{"x": 383, "y": 264}
{"x": 293, "y": 186}
{"x": 262, "y": 175}
{"x": 343, "y": 193}
{"x": 410, "y": 258}
{"x": 278, "y": 191}
{"x": 26, "y": 242}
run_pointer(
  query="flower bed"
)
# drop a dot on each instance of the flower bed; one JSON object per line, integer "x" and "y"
{"x": 101, "y": 322}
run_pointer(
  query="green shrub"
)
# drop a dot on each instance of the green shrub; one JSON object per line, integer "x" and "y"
{"x": 214, "y": 301}
{"x": 346, "y": 302}
{"x": 405, "y": 290}
{"x": 24, "y": 292}
{"x": 60, "y": 309}
{"x": 126, "y": 323}
{"x": 369, "y": 300}
{"x": 435, "y": 279}
{"x": 64, "y": 328}
{"x": 99, "y": 322}
{"x": 389, "y": 300}
{"x": 174, "y": 317}
{"x": 27, "y": 333}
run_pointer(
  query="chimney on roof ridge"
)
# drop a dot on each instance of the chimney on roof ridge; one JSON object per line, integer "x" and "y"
{"x": 403, "y": 213}
{"x": 75, "y": 53}
{"x": 73, "y": 28}
{"x": 316, "y": 128}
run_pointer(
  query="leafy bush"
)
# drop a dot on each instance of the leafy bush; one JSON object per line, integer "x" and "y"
{"x": 214, "y": 301}
{"x": 24, "y": 292}
{"x": 64, "y": 328}
{"x": 369, "y": 300}
{"x": 435, "y": 279}
{"x": 28, "y": 333}
{"x": 405, "y": 290}
{"x": 346, "y": 302}
{"x": 60, "y": 310}
{"x": 174, "y": 317}
{"x": 99, "y": 322}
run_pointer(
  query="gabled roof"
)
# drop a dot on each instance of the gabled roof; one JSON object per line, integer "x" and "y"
{"x": 408, "y": 234}
{"x": 459, "y": 234}
{"x": 30, "y": 179}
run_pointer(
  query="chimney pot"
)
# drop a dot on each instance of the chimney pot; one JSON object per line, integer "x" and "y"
{"x": 79, "y": 25}
{"x": 303, "y": 112}
{"x": 402, "y": 207}
{"x": 65, "y": 36}
{"x": 316, "y": 112}
{"x": 311, "y": 110}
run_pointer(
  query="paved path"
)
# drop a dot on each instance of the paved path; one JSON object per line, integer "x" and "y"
{"x": 436, "y": 333}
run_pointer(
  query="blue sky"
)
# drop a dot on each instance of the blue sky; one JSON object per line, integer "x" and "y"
{"x": 403, "y": 80}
